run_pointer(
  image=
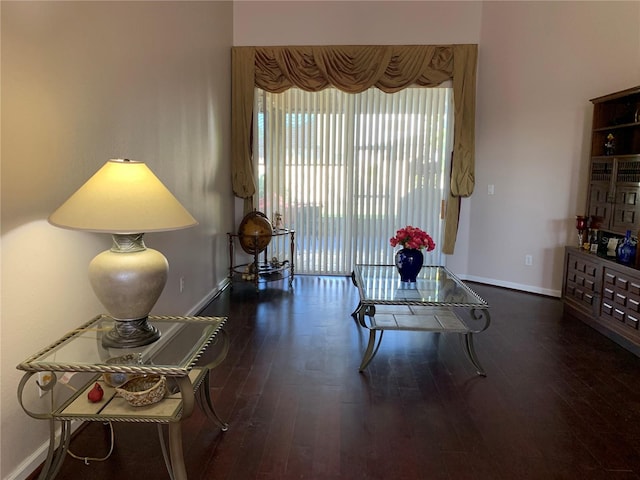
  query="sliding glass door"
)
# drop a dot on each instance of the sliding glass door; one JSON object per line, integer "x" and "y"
{"x": 347, "y": 170}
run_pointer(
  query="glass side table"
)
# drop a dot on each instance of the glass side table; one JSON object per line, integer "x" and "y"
{"x": 183, "y": 341}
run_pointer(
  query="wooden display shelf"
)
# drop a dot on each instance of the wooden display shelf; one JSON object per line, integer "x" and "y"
{"x": 614, "y": 188}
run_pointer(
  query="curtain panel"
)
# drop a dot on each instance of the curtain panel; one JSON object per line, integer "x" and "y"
{"x": 354, "y": 69}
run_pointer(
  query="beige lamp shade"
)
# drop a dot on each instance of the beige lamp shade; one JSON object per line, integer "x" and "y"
{"x": 124, "y": 196}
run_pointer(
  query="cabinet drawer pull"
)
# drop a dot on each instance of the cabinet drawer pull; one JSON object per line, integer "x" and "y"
{"x": 610, "y": 278}
{"x": 632, "y": 321}
{"x": 621, "y": 299}
{"x": 618, "y": 314}
{"x": 608, "y": 293}
{"x": 623, "y": 283}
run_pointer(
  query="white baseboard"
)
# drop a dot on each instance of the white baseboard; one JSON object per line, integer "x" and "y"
{"x": 511, "y": 285}
{"x": 196, "y": 309}
{"x": 33, "y": 461}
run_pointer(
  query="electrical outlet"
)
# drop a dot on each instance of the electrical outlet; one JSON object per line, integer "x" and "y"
{"x": 528, "y": 260}
{"x": 491, "y": 189}
{"x": 43, "y": 379}
{"x": 181, "y": 284}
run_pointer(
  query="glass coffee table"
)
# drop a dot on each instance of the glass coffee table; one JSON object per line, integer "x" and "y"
{"x": 431, "y": 304}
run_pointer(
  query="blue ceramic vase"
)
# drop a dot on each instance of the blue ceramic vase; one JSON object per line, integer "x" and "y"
{"x": 627, "y": 250}
{"x": 409, "y": 262}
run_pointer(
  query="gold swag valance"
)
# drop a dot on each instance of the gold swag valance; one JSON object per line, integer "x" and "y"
{"x": 354, "y": 69}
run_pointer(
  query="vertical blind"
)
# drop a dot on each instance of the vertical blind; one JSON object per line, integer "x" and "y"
{"x": 348, "y": 170}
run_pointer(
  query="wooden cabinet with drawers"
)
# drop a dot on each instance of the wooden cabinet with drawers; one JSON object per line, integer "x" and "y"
{"x": 603, "y": 294}
{"x": 582, "y": 282}
{"x": 596, "y": 289}
{"x": 620, "y": 306}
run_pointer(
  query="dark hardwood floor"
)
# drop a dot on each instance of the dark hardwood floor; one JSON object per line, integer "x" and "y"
{"x": 560, "y": 401}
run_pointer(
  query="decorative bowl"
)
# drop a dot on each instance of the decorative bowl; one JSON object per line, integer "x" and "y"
{"x": 118, "y": 379}
{"x": 144, "y": 390}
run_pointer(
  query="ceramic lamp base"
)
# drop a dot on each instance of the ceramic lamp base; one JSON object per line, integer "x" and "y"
{"x": 128, "y": 280}
{"x": 130, "y": 334}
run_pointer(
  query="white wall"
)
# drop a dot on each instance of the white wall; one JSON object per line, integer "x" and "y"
{"x": 83, "y": 82}
{"x": 355, "y": 22}
{"x": 539, "y": 64}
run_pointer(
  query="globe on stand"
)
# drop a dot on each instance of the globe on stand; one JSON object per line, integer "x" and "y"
{"x": 255, "y": 232}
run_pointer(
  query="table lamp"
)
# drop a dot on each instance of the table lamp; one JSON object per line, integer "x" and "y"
{"x": 124, "y": 198}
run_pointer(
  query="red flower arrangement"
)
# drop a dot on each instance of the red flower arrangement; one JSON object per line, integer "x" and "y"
{"x": 413, "y": 237}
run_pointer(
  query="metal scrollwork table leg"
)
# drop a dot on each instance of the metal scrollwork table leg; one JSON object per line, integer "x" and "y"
{"x": 362, "y": 312}
{"x": 55, "y": 455}
{"x": 174, "y": 459}
{"x": 467, "y": 338}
